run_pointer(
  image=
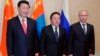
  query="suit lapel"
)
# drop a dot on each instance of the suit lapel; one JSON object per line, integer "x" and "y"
{"x": 28, "y": 26}
{"x": 52, "y": 32}
{"x": 18, "y": 23}
{"x": 80, "y": 28}
{"x": 59, "y": 33}
{"x": 87, "y": 29}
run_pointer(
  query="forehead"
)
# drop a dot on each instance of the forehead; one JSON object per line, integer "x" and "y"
{"x": 56, "y": 15}
{"x": 24, "y": 5}
{"x": 83, "y": 12}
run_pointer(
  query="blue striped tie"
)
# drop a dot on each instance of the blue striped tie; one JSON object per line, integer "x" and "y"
{"x": 56, "y": 33}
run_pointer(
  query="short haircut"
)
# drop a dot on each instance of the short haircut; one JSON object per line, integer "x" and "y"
{"x": 54, "y": 14}
{"x": 23, "y": 2}
{"x": 82, "y": 11}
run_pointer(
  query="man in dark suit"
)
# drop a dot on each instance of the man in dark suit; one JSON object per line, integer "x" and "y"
{"x": 22, "y": 39}
{"x": 82, "y": 41}
{"x": 53, "y": 37}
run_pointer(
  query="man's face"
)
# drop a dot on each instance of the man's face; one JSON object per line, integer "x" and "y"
{"x": 23, "y": 10}
{"x": 83, "y": 15}
{"x": 55, "y": 20}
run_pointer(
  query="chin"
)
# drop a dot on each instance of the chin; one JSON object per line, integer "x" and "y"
{"x": 57, "y": 25}
{"x": 84, "y": 22}
{"x": 25, "y": 16}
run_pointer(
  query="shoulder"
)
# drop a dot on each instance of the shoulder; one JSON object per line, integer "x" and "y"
{"x": 30, "y": 19}
{"x": 62, "y": 28}
{"x": 12, "y": 19}
{"x": 90, "y": 25}
{"x": 75, "y": 25}
{"x": 47, "y": 27}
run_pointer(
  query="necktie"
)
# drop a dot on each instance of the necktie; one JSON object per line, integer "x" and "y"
{"x": 84, "y": 29}
{"x": 56, "y": 33}
{"x": 24, "y": 26}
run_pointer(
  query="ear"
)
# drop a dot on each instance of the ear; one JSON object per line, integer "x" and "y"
{"x": 17, "y": 8}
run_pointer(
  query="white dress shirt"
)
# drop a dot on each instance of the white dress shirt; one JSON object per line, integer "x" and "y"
{"x": 85, "y": 26}
{"x": 20, "y": 18}
{"x": 54, "y": 29}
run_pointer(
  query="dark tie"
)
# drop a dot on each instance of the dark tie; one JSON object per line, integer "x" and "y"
{"x": 56, "y": 33}
{"x": 84, "y": 28}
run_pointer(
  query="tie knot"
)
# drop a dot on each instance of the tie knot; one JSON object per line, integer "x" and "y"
{"x": 56, "y": 28}
{"x": 83, "y": 24}
{"x": 23, "y": 20}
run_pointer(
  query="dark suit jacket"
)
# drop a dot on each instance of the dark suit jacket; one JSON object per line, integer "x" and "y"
{"x": 50, "y": 46}
{"x": 81, "y": 44}
{"x": 19, "y": 43}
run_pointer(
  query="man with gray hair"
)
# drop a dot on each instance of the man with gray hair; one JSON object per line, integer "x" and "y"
{"x": 82, "y": 39}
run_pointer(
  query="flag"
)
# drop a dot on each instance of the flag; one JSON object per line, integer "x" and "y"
{"x": 65, "y": 21}
{"x": 8, "y": 13}
{"x": 38, "y": 15}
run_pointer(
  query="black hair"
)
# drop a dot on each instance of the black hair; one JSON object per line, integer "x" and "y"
{"x": 54, "y": 14}
{"x": 23, "y": 1}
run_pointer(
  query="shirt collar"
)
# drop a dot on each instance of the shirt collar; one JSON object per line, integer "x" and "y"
{"x": 82, "y": 23}
{"x": 53, "y": 26}
{"x": 20, "y": 18}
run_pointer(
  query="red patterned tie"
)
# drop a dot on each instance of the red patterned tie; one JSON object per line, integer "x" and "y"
{"x": 24, "y": 26}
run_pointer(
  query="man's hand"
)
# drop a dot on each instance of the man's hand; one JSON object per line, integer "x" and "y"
{"x": 64, "y": 55}
{"x": 36, "y": 54}
{"x": 70, "y": 55}
{"x": 91, "y": 55}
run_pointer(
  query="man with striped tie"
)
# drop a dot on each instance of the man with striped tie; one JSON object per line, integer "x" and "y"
{"x": 53, "y": 37}
{"x": 82, "y": 39}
